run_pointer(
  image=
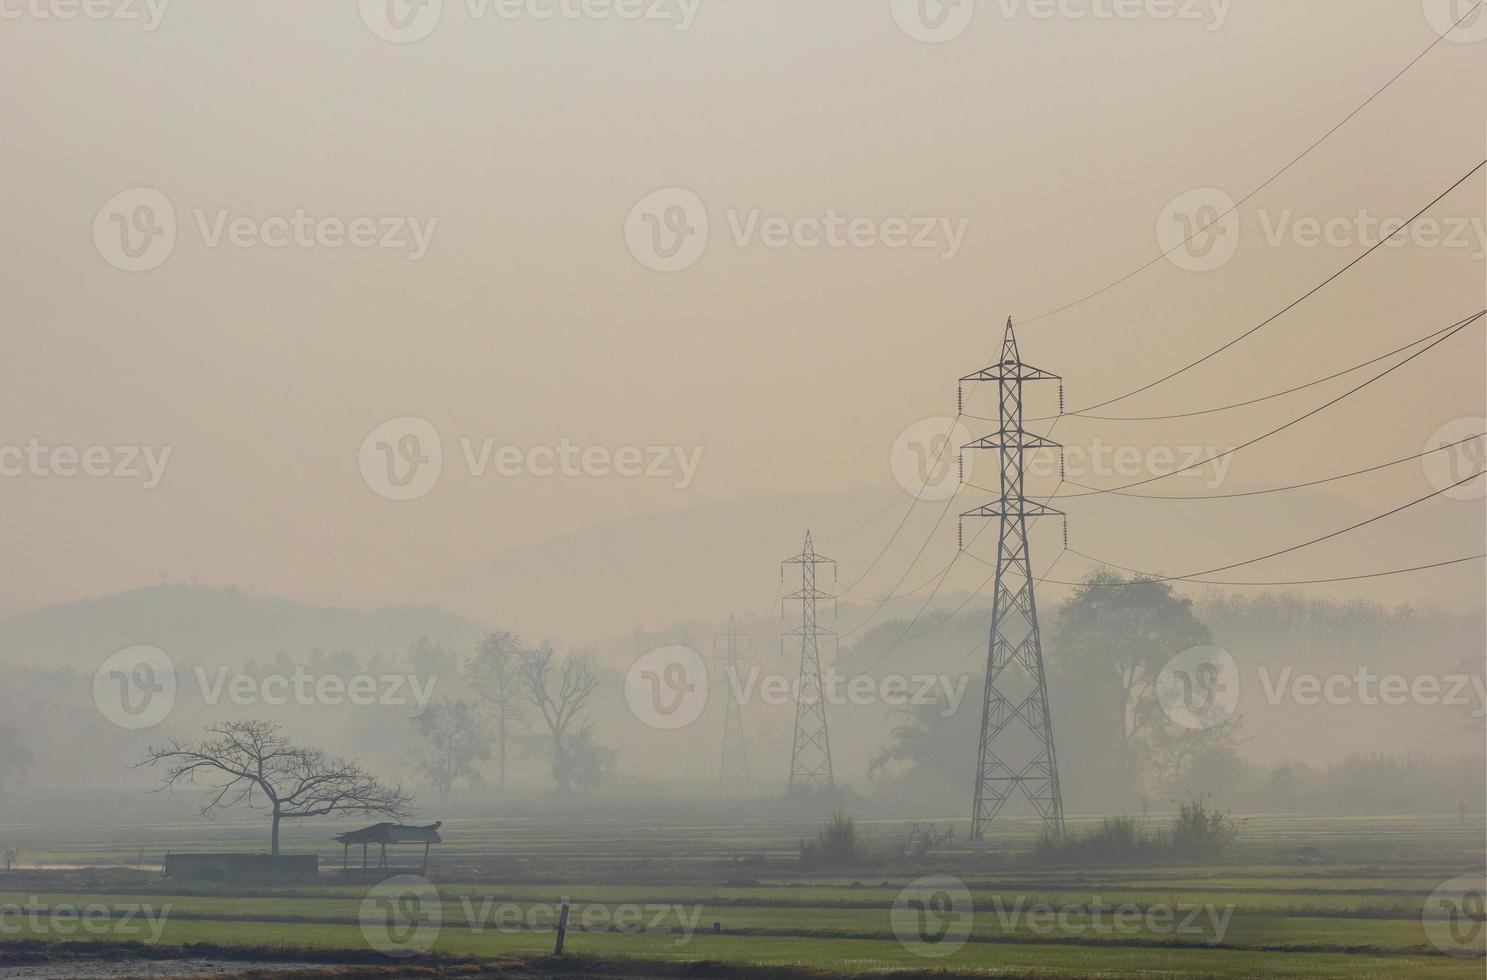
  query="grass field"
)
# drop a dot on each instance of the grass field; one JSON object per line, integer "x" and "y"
{"x": 724, "y": 890}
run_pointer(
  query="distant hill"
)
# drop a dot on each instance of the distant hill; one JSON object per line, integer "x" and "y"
{"x": 215, "y": 626}
{"x": 705, "y": 562}
{"x": 698, "y": 565}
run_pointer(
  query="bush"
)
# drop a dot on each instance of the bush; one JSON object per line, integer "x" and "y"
{"x": 1199, "y": 834}
{"x": 1202, "y": 833}
{"x": 836, "y": 845}
{"x": 917, "y": 841}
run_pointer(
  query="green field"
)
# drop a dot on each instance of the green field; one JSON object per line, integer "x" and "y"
{"x": 729, "y": 891}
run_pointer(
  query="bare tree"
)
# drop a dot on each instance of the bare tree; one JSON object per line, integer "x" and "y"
{"x": 495, "y": 674}
{"x": 455, "y": 742}
{"x": 575, "y": 757}
{"x": 249, "y": 763}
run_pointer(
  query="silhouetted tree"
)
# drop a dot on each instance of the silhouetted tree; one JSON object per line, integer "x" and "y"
{"x": 575, "y": 758}
{"x": 249, "y": 763}
{"x": 495, "y": 674}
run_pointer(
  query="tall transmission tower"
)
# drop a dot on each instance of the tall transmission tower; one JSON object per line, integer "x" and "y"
{"x": 1020, "y": 757}
{"x": 810, "y": 759}
{"x": 735, "y": 768}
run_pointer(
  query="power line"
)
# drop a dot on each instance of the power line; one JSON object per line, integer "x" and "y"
{"x": 1270, "y": 490}
{"x": 1455, "y": 329}
{"x": 1192, "y": 576}
{"x": 1289, "y": 307}
{"x": 1244, "y": 404}
{"x": 1273, "y": 177}
{"x": 1304, "y": 581}
{"x": 976, "y": 648}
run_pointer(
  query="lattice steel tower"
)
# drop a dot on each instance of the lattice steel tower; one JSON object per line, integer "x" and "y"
{"x": 810, "y": 759}
{"x": 1014, "y": 757}
{"x": 735, "y": 767}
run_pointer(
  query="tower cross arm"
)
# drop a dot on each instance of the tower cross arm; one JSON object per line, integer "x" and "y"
{"x": 1012, "y": 371}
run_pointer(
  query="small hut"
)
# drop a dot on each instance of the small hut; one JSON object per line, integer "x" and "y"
{"x": 389, "y": 833}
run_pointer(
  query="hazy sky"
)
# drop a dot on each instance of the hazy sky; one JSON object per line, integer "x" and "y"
{"x": 519, "y": 147}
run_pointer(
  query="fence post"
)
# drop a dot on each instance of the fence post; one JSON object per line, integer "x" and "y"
{"x": 562, "y": 929}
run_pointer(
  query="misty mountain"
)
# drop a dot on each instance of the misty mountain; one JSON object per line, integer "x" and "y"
{"x": 705, "y": 562}
{"x": 216, "y": 626}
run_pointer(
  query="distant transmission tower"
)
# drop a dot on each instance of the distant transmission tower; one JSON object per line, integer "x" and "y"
{"x": 735, "y": 768}
{"x": 1021, "y": 757}
{"x": 810, "y": 760}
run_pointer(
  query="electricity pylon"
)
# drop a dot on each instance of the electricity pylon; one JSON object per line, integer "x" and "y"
{"x": 735, "y": 767}
{"x": 810, "y": 759}
{"x": 1016, "y": 687}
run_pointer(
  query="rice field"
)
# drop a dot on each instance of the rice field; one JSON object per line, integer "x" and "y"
{"x": 1371, "y": 897}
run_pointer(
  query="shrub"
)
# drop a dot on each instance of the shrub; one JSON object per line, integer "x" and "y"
{"x": 836, "y": 844}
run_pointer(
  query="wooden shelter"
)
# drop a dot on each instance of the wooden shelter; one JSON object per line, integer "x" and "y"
{"x": 389, "y": 833}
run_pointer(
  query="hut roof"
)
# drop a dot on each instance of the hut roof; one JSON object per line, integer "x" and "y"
{"x": 393, "y": 833}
